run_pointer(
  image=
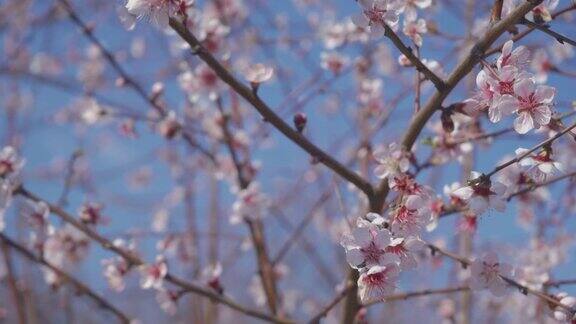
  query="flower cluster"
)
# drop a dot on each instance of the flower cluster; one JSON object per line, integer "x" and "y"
{"x": 487, "y": 273}
{"x": 156, "y": 11}
{"x": 250, "y": 204}
{"x": 506, "y": 88}
{"x": 10, "y": 167}
{"x": 381, "y": 247}
{"x": 482, "y": 194}
{"x": 377, "y": 13}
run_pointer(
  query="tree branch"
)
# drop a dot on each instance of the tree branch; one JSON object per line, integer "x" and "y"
{"x": 134, "y": 260}
{"x": 82, "y": 288}
{"x": 266, "y": 112}
{"x": 421, "y": 67}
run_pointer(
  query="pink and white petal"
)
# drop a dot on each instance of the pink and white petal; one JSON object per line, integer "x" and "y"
{"x": 360, "y": 20}
{"x": 354, "y": 257}
{"x": 498, "y": 187}
{"x": 523, "y": 123}
{"x": 389, "y": 258}
{"x": 463, "y": 193}
{"x": 508, "y": 104}
{"x": 366, "y": 4}
{"x": 494, "y": 113}
{"x": 524, "y": 88}
{"x": 382, "y": 239}
{"x": 414, "y": 202}
{"x": 547, "y": 168}
{"x": 476, "y": 283}
{"x": 376, "y": 30}
{"x": 478, "y": 205}
{"x": 498, "y": 288}
{"x": 415, "y": 245}
{"x": 490, "y": 257}
{"x": 505, "y": 269}
{"x": 559, "y": 166}
{"x": 498, "y": 204}
{"x": 362, "y": 236}
{"x": 545, "y": 94}
{"x": 542, "y": 115}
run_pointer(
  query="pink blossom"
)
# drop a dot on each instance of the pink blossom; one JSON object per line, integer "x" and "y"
{"x": 542, "y": 12}
{"x": 211, "y": 276}
{"x": 539, "y": 166}
{"x": 10, "y": 163}
{"x": 167, "y": 299}
{"x": 91, "y": 213}
{"x": 405, "y": 184}
{"x": 37, "y": 213}
{"x": 377, "y": 282}
{"x": 542, "y": 65}
{"x": 411, "y": 217}
{"x": 169, "y": 127}
{"x": 415, "y": 29}
{"x": 409, "y": 7}
{"x": 152, "y": 275}
{"x": 486, "y": 274}
{"x": 532, "y": 104}
{"x": 519, "y": 57}
{"x": 392, "y": 160}
{"x": 333, "y": 61}
{"x": 250, "y": 203}
{"x": 115, "y": 269}
{"x": 561, "y": 314}
{"x": 259, "y": 73}
{"x": 482, "y": 194}
{"x": 66, "y": 245}
{"x": 6, "y": 192}
{"x": 156, "y": 11}
{"x": 366, "y": 246}
{"x": 375, "y": 13}
{"x": 405, "y": 250}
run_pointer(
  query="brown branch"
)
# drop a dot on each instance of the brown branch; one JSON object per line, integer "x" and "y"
{"x": 299, "y": 229}
{"x": 134, "y": 260}
{"x": 265, "y": 267}
{"x": 13, "y": 284}
{"x": 68, "y": 179}
{"x": 523, "y": 289}
{"x": 558, "y": 283}
{"x": 266, "y": 112}
{"x": 520, "y": 157}
{"x": 546, "y": 30}
{"x": 524, "y": 33}
{"x": 496, "y": 14}
{"x": 463, "y": 68}
{"x": 543, "y": 184}
{"x": 452, "y": 209}
{"x": 420, "y": 293}
{"x": 420, "y": 67}
{"x": 81, "y": 287}
{"x": 316, "y": 319}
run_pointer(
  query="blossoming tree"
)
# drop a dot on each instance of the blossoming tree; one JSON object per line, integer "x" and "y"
{"x": 287, "y": 161}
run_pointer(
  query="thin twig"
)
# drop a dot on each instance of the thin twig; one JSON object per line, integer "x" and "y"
{"x": 530, "y": 151}
{"x": 547, "y": 30}
{"x": 128, "y": 80}
{"x": 316, "y": 319}
{"x": 81, "y": 287}
{"x": 522, "y": 288}
{"x": 420, "y": 67}
{"x": 420, "y": 293}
